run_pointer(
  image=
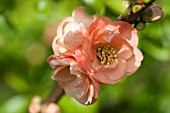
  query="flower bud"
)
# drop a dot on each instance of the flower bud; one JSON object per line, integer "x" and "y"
{"x": 152, "y": 14}
{"x": 141, "y": 26}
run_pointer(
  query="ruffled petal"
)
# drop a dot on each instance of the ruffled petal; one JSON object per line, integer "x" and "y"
{"x": 134, "y": 62}
{"x": 63, "y": 74}
{"x": 87, "y": 65}
{"x": 61, "y": 26}
{"x": 80, "y": 16}
{"x": 111, "y": 76}
{"x": 97, "y": 66}
{"x": 58, "y": 46}
{"x": 86, "y": 100}
{"x": 73, "y": 40}
{"x": 96, "y": 87}
{"x": 100, "y": 23}
{"x": 122, "y": 47}
{"x": 125, "y": 30}
{"x": 92, "y": 94}
{"x": 87, "y": 49}
{"x": 75, "y": 86}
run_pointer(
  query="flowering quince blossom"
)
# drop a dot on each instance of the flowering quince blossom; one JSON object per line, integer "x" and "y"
{"x": 89, "y": 50}
{"x": 112, "y": 52}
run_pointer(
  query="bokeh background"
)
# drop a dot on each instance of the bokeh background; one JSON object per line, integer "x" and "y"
{"x": 27, "y": 28}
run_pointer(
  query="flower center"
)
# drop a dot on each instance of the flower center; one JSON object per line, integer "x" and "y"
{"x": 106, "y": 54}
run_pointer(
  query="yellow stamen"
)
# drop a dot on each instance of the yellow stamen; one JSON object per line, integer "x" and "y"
{"x": 106, "y": 54}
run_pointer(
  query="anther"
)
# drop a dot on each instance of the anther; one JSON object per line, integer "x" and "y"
{"x": 106, "y": 54}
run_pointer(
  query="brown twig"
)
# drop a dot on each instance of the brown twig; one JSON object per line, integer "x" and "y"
{"x": 55, "y": 95}
{"x": 131, "y": 17}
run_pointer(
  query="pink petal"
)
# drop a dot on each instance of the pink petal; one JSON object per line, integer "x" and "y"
{"x": 126, "y": 31}
{"x": 61, "y": 26}
{"x": 134, "y": 62}
{"x": 76, "y": 86}
{"x": 92, "y": 94}
{"x": 97, "y": 66}
{"x": 111, "y": 76}
{"x": 96, "y": 87}
{"x": 58, "y": 45}
{"x": 99, "y": 39}
{"x": 100, "y": 23}
{"x": 87, "y": 65}
{"x": 56, "y": 69}
{"x": 93, "y": 35}
{"x": 64, "y": 75}
{"x": 59, "y": 63}
{"x": 80, "y": 16}
{"x": 122, "y": 47}
{"x": 87, "y": 49}
{"x": 75, "y": 67}
{"x": 85, "y": 100}
{"x": 52, "y": 61}
{"x": 73, "y": 40}
{"x": 82, "y": 85}
{"x": 78, "y": 55}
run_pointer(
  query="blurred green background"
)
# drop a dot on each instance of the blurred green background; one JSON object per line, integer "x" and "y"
{"x": 27, "y": 28}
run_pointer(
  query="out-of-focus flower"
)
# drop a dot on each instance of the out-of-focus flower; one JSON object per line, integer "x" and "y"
{"x": 89, "y": 50}
{"x": 37, "y": 107}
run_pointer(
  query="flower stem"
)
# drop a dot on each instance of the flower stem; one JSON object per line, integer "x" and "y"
{"x": 131, "y": 17}
{"x": 55, "y": 95}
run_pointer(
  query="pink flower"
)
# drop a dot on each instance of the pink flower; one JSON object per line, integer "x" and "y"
{"x": 89, "y": 50}
{"x": 67, "y": 45}
{"x": 111, "y": 51}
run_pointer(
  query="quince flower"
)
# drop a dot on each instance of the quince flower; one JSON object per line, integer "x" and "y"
{"x": 111, "y": 51}
{"x": 89, "y": 50}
